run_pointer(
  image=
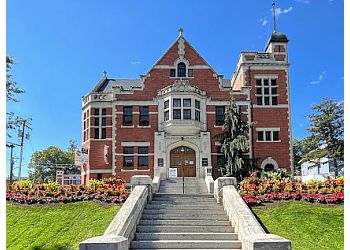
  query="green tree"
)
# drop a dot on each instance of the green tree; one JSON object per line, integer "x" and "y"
{"x": 43, "y": 164}
{"x": 12, "y": 90}
{"x": 235, "y": 142}
{"x": 326, "y": 126}
{"x": 304, "y": 150}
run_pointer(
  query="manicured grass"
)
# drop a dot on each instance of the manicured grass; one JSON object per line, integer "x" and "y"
{"x": 56, "y": 226}
{"x": 308, "y": 226}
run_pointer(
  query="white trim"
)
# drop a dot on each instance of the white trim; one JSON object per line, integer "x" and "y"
{"x": 114, "y": 128}
{"x": 135, "y": 143}
{"x": 217, "y": 143}
{"x": 135, "y": 113}
{"x": 269, "y": 160}
{"x": 153, "y": 113}
{"x": 149, "y": 126}
{"x": 122, "y": 126}
{"x": 134, "y": 154}
{"x": 268, "y": 129}
{"x": 189, "y": 67}
{"x": 272, "y": 76}
{"x": 268, "y": 141}
{"x": 210, "y": 112}
{"x": 226, "y": 103}
{"x": 135, "y": 170}
{"x": 216, "y": 126}
{"x": 97, "y": 171}
{"x": 271, "y": 106}
{"x": 93, "y": 139}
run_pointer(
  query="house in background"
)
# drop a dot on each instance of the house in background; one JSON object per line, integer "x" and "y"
{"x": 321, "y": 169}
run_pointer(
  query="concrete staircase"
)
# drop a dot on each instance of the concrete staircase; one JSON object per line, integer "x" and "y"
{"x": 174, "y": 186}
{"x": 184, "y": 221}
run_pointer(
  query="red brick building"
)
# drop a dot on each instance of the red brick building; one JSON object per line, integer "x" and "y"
{"x": 173, "y": 114}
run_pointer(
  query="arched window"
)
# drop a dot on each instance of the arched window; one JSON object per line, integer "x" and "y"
{"x": 269, "y": 167}
{"x": 181, "y": 70}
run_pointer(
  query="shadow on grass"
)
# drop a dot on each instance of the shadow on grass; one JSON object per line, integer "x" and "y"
{"x": 56, "y": 247}
{"x": 261, "y": 223}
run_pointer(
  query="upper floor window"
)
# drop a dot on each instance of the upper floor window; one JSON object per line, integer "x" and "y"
{"x": 187, "y": 102}
{"x": 177, "y": 103}
{"x": 266, "y": 92}
{"x": 181, "y": 70}
{"x": 219, "y": 115}
{"x": 104, "y": 111}
{"x": 268, "y": 135}
{"x": 144, "y": 116}
{"x": 97, "y": 111}
{"x": 127, "y": 115}
{"x": 172, "y": 73}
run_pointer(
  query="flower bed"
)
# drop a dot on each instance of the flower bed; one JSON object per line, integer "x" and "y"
{"x": 256, "y": 190}
{"x": 109, "y": 190}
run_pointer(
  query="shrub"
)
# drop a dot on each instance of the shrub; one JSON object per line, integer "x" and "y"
{"x": 272, "y": 187}
{"x": 111, "y": 190}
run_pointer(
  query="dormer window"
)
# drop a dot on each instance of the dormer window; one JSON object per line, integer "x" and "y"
{"x": 181, "y": 70}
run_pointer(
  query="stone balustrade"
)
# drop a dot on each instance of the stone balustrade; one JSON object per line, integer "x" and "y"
{"x": 249, "y": 230}
{"x": 122, "y": 229}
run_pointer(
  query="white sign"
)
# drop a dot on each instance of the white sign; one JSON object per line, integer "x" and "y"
{"x": 82, "y": 156}
{"x": 172, "y": 172}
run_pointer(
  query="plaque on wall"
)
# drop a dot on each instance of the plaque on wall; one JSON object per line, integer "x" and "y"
{"x": 160, "y": 162}
{"x": 205, "y": 162}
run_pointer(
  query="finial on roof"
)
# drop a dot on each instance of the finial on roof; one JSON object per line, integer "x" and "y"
{"x": 104, "y": 74}
{"x": 274, "y": 17}
{"x": 181, "y": 30}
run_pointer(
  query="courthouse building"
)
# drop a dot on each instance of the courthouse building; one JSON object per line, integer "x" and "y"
{"x": 173, "y": 115}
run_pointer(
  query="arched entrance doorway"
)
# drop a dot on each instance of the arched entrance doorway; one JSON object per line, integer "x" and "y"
{"x": 269, "y": 167}
{"x": 184, "y": 159}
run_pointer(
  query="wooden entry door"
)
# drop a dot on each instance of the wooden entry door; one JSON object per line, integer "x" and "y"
{"x": 184, "y": 159}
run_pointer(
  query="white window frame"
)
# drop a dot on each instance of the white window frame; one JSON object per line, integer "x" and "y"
{"x": 271, "y": 130}
{"x": 270, "y": 87}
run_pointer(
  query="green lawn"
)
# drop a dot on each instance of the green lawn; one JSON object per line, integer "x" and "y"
{"x": 307, "y": 225}
{"x": 56, "y": 226}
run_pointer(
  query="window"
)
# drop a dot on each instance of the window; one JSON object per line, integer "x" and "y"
{"x": 197, "y": 104}
{"x": 99, "y": 176}
{"x": 177, "y": 103}
{"x": 166, "y": 104}
{"x": 172, "y": 72}
{"x": 219, "y": 115}
{"x": 268, "y": 135}
{"x": 127, "y": 116}
{"x": 142, "y": 150}
{"x": 187, "y": 102}
{"x": 128, "y": 150}
{"x": 181, "y": 70}
{"x": 103, "y": 136}
{"x": 104, "y": 121}
{"x": 187, "y": 114}
{"x": 177, "y": 114}
{"x": 266, "y": 92}
{"x": 97, "y": 111}
{"x": 190, "y": 72}
{"x": 144, "y": 116}
{"x": 84, "y": 125}
{"x": 128, "y": 156}
{"x": 128, "y": 161}
{"x": 104, "y": 111}
{"x": 97, "y": 121}
{"x": 205, "y": 162}
{"x": 143, "y": 161}
{"x": 197, "y": 115}
{"x": 166, "y": 116}
{"x": 97, "y": 133}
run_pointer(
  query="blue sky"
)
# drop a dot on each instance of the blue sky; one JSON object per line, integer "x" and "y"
{"x": 62, "y": 47}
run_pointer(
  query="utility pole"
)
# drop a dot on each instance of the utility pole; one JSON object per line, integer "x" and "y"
{"x": 11, "y": 145}
{"x": 21, "y": 152}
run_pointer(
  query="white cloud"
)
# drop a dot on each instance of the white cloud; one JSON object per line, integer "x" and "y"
{"x": 263, "y": 21}
{"x": 280, "y": 11}
{"x": 135, "y": 62}
{"x": 320, "y": 78}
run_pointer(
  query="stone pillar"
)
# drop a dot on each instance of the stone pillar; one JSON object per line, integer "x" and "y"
{"x": 219, "y": 183}
{"x": 142, "y": 180}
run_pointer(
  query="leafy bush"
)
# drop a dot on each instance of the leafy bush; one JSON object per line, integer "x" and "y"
{"x": 272, "y": 187}
{"x": 111, "y": 190}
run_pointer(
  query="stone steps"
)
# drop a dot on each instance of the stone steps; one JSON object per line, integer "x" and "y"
{"x": 186, "y": 222}
{"x": 186, "y": 236}
{"x": 192, "y": 220}
{"x": 190, "y": 244}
